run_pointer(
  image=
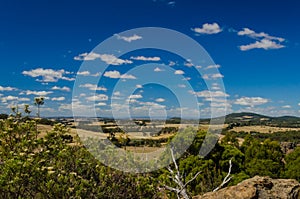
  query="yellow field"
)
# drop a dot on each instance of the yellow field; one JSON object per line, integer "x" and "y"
{"x": 263, "y": 129}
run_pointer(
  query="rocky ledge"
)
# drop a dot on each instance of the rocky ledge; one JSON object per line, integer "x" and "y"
{"x": 258, "y": 188}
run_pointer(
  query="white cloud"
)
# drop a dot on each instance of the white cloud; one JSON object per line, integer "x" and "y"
{"x": 251, "y": 101}
{"x": 84, "y": 73}
{"x": 287, "y": 106}
{"x": 188, "y": 64}
{"x": 299, "y": 104}
{"x": 117, "y": 93}
{"x": 207, "y": 28}
{"x": 212, "y": 76}
{"x": 216, "y": 66}
{"x": 179, "y": 72}
{"x": 137, "y": 96}
{"x": 138, "y": 86}
{"x": 217, "y": 75}
{"x": 58, "y": 98}
{"x": 107, "y": 58}
{"x": 87, "y": 56}
{"x": 186, "y": 79}
{"x": 265, "y": 40}
{"x": 98, "y": 97}
{"x": 116, "y": 74}
{"x": 65, "y": 78}
{"x": 7, "y": 88}
{"x": 126, "y": 76}
{"x": 143, "y": 58}
{"x": 158, "y": 69}
{"x": 160, "y": 100}
{"x": 171, "y": 63}
{"x": 264, "y": 44}
{"x": 93, "y": 87}
{"x": 152, "y": 105}
{"x": 87, "y": 73}
{"x": 48, "y": 75}
{"x": 61, "y": 88}
{"x": 210, "y": 94}
{"x": 181, "y": 85}
{"x": 129, "y": 38}
{"x": 13, "y": 98}
{"x": 250, "y": 33}
{"x": 113, "y": 60}
{"x": 101, "y": 104}
{"x": 215, "y": 88}
{"x": 40, "y": 93}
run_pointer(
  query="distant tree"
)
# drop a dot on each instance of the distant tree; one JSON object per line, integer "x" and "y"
{"x": 264, "y": 159}
{"x": 26, "y": 109}
{"x": 15, "y": 110}
{"x": 231, "y": 139}
{"x": 39, "y": 101}
{"x": 292, "y": 167}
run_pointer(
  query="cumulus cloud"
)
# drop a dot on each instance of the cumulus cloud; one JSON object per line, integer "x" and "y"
{"x": 116, "y": 75}
{"x": 113, "y": 60}
{"x": 179, "y": 72}
{"x": 251, "y": 101}
{"x": 13, "y": 98}
{"x": 217, "y": 75}
{"x": 212, "y": 76}
{"x": 107, "y": 58}
{"x": 88, "y": 73}
{"x": 250, "y": 33}
{"x": 158, "y": 69}
{"x": 84, "y": 73}
{"x": 265, "y": 41}
{"x": 58, "y": 98}
{"x": 216, "y": 66}
{"x": 39, "y": 93}
{"x": 143, "y": 58}
{"x": 160, "y": 100}
{"x": 263, "y": 44}
{"x": 210, "y": 94}
{"x": 7, "y": 88}
{"x": 101, "y": 104}
{"x": 171, "y": 63}
{"x": 93, "y": 87}
{"x": 129, "y": 38}
{"x": 188, "y": 64}
{"x": 207, "y": 28}
{"x": 87, "y": 56}
{"x": 64, "y": 88}
{"x": 98, "y": 97}
{"x": 137, "y": 96}
{"x": 287, "y": 106}
{"x": 48, "y": 75}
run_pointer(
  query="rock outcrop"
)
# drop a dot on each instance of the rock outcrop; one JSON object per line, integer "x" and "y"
{"x": 258, "y": 188}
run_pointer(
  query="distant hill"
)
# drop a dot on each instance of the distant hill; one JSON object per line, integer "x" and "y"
{"x": 245, "y": 118}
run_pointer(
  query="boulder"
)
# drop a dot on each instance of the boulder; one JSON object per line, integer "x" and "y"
{"x": 258, "y": 188}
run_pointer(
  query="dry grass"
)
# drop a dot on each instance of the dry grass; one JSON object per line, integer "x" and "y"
{"x": 140, "y": 149}
{"x": 263, "y": 129}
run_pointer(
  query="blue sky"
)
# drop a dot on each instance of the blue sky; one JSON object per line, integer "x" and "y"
{"x": 254, "y": 46}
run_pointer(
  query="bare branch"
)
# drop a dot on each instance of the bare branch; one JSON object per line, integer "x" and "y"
{"x": 227, "y": 178}
{"x": 180, "y": 191}
{"x": 174, "y": 161}
{"x": 191, "y": 180}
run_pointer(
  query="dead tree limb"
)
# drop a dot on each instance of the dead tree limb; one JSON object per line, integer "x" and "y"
{"x": 226, "y": 179}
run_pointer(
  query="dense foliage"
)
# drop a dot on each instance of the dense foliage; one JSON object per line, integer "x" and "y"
{"x": 58, "y": 166}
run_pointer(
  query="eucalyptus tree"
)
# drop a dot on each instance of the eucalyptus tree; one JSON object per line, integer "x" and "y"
{"x": 39, "y": 101}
